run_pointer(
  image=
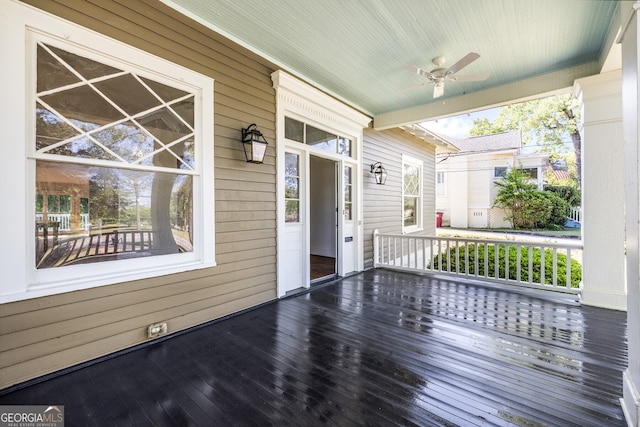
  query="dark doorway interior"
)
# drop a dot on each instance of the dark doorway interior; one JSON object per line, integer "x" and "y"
{"x": 323, "y": 228}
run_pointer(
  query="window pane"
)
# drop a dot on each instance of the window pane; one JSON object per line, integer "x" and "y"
{"x": 291, "y": 164}
{"x": 321, "y": 139}
{"x": 291, "y": 190}
{"x": 347, "y": 193}
{"x": 118, "y": 214}
{"x": 411, "y": 180}
{"x": 128, "y": 93}
{"x": 292, "y": 187}
{"x": 344, "y": 146}
{"x": 293, "y": 129}
{"x": 410, "y": 211}
{"x": 499, "y": 172}
{"x": 292, "y": 211}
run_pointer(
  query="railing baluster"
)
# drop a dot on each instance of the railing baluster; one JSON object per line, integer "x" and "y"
{"x": 530, "y": 264}
{"x": 518, "y": 262}
{"x": 543, "y": 262}
{"x": 555, "y": 267}
{"x": 568, "y": 282}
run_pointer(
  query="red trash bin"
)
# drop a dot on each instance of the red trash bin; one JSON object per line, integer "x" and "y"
{"x": 439, "y": 219}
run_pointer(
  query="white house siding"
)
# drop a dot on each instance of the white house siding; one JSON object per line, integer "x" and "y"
{"x": 383, "y": 203}
{"x": 471, "y": 189}
{"x": 42, "y": 335}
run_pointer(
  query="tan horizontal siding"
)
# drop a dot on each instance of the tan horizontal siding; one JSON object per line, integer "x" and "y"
{"x": 42, "y": 335}
{"x": 383, "y": 203}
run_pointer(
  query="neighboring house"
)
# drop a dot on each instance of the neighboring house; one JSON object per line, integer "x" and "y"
{"x": 139, "y": 111}
{"x": 465, "y": 188}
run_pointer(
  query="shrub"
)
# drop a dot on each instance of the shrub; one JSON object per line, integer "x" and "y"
{"x": 526, "y": 206}
{"x": 567, "y": 193}
{"x": 449, "y": 263}
{"x": 559, "y": 211}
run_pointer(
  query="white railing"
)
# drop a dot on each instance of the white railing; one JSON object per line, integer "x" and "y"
{"x": 575, "y": 214}
{"x": 65, "y": 220}
{"x": 84, "y": 221}
{"x": 484, "y": 259}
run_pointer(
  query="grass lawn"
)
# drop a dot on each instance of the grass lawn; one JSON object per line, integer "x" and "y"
{"x": 567, "y": 233}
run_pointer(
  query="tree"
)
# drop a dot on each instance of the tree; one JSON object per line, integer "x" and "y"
{"x": 547, "y": 122}
{"x": 526, "y": 206}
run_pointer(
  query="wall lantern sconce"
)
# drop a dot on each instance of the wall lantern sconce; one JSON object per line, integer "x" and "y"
{"x": 379, "y": 172}
{"x": 255, "y": 146}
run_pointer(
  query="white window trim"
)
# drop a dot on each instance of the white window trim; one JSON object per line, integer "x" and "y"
{"x": 21, "y": 280}
{"x": 408, "y": 160}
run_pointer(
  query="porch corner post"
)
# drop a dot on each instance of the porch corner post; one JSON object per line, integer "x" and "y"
{"x": 630, "y": 401}
{"x": 603, "y": 228}
{"x": 376, "y": 250}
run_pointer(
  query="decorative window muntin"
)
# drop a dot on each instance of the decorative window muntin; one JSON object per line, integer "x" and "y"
{"x": 86, "y": 109}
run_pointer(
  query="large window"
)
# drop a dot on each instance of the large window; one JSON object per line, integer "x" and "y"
{"x": 411, "y": 194}
{"x": 119, "y": 162}
{"x": 135, "y": 136}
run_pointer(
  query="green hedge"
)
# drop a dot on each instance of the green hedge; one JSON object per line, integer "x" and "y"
{"x": 576, "y": 268}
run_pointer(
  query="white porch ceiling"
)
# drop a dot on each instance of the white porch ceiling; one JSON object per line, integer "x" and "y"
{"x": 359, "y": 50}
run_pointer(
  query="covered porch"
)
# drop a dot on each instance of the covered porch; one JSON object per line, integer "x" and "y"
{"x": 376, "y": 348}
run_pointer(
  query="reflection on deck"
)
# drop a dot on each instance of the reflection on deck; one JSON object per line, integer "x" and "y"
{"x": 379, "y": 348}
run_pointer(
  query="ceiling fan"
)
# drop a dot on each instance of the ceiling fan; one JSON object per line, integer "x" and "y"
{"x": 440, "y": 75}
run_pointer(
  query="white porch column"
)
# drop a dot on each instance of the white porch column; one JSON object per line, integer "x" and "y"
{"x": 603, "y": 230}
{"x": 630, "y": 102}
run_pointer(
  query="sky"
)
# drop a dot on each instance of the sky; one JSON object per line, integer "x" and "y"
{"x": 457, "y": 127}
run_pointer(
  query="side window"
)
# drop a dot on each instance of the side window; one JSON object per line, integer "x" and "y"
{"x": 441, "y": 184}
{"x": 411, "y": 194}
{"x": 292, "y": 187}
{"x": 348, "y": 194}
{"x": 500, "y": 171}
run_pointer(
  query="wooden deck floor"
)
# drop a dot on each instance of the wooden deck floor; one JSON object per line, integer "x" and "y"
{"x": 380, "y": 348}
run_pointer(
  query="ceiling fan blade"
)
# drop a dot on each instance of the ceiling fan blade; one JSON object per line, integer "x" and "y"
{"x": 419, "y": 71}
{"x": 438, "y": 89}
{"x": 470, "y": 78}
{"x": 468, "y": 59}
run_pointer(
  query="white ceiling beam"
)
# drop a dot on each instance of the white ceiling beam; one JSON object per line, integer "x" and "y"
{"x": 523, "y": 90}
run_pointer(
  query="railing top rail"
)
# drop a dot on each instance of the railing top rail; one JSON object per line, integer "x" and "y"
{"x": 572, "y": 245}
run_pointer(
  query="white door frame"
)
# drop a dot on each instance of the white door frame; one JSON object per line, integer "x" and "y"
{"x": 301, "y": 101}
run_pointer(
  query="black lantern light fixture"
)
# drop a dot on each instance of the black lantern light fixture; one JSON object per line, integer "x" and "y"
{"x": 379, "y": 172}
{"x": 255, "y": 146}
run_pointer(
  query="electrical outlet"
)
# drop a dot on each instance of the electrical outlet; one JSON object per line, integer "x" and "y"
{"x": 156, "y": 329}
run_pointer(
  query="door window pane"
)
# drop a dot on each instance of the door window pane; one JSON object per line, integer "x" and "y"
{"x": 348, "y": 197}
{"x": 292, "y": 187}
